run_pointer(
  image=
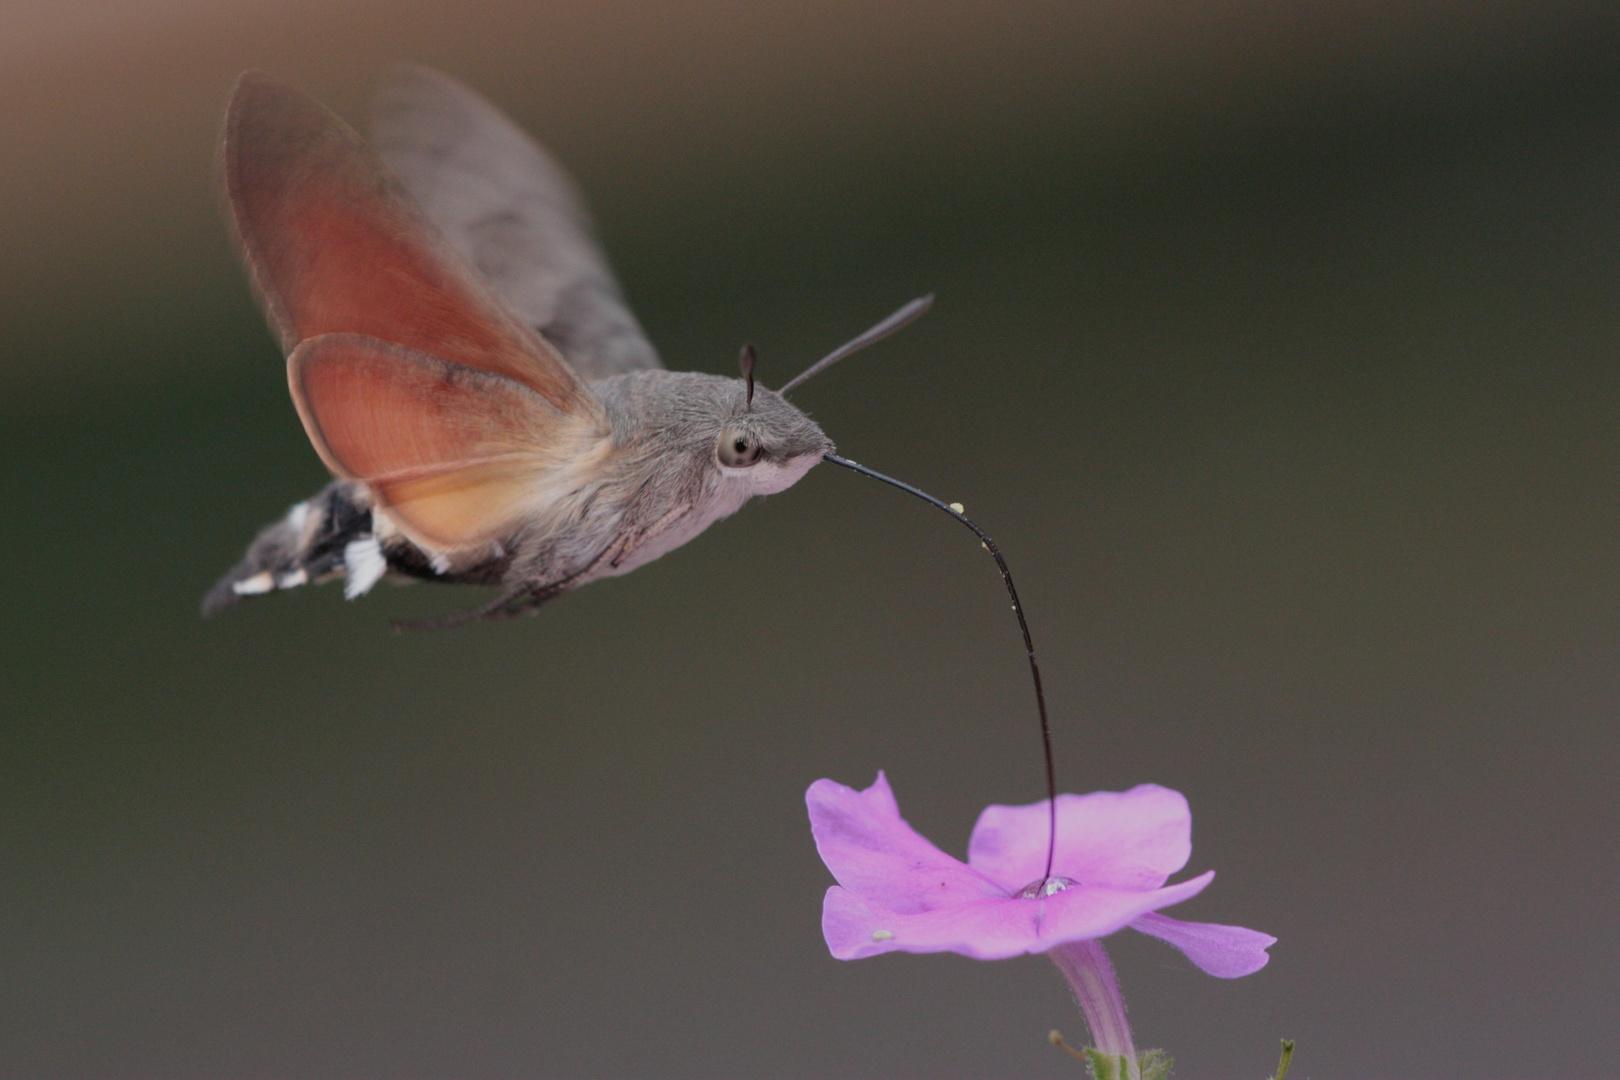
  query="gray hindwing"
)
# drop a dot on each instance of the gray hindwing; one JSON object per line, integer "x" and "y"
{"x": 510, "y": 210}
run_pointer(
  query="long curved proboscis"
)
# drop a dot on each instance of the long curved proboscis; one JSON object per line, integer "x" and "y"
{"x": 1017, "y": 606}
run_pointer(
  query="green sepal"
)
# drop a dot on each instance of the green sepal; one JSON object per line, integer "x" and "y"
{"x": 1106, "y": 1066}
{"x": 1154, "y": 1064}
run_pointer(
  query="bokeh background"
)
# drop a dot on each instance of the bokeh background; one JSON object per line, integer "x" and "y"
{"x": 1278, "y": 343}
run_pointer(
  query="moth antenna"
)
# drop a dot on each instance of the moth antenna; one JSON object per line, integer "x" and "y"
{"x": 898, "y": 321}
{"x": 954, "y": 509}
{"x": 746, "y": 360}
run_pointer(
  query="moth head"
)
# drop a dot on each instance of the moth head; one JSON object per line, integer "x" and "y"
{"x": 769, "y": 441}
{"x": 764, "y": 440}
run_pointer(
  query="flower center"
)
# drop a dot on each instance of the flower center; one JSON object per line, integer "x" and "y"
{"x": 1044, "y": 887}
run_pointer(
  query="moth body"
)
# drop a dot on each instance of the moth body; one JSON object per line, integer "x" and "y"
{"x": 653, "y": 483}
{"x": 463, "y": 362}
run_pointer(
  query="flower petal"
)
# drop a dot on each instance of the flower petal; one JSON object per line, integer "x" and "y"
{"x": 1123, "y": 840}
{"x": 1086, "y": 912}
{"x": 1223, "y": 951}
{"x": 992, "y": 928}
{"x": 878, "y": 857}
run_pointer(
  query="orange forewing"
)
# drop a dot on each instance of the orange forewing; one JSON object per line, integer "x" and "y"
{"x": 336, "y": 247}
{"x": 450, "y": 453}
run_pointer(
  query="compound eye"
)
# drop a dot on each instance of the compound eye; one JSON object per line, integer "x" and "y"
{"x": 737, "y": 449}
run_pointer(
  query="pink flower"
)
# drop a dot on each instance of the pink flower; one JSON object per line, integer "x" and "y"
{"x": 1115, "y": 851}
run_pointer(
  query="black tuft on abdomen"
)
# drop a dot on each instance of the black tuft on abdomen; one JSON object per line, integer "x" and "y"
{"x": 307, "y": 545}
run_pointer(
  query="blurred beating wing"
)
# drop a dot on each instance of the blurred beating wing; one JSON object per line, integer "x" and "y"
{"x": 510, "y": 210}
{"x": 409, "y": 375}
{"x": 449, "y": 451}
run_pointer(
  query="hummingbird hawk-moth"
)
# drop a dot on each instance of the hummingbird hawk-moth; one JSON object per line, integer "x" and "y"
{"x": 465, "y": 365}
{"x": 462, "y": 360}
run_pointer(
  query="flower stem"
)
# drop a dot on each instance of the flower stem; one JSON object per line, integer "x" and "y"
{"x": 1096, "y": 991}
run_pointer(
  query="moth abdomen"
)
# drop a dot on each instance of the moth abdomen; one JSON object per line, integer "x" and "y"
{"x": 320, "y": 538}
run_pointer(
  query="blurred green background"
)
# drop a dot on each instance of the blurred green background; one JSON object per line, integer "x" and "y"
{"x": 1275, "y": 342}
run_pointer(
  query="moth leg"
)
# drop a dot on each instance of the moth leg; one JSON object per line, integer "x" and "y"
{"x": 512, "y": 602}
{"x": 646, "y": 534}
{"x": 527, "y": 602}
{"x": 518, "y": 600}
{"x": 530, "y": 604}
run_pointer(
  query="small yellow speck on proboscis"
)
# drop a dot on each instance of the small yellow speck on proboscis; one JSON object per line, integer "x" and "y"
{"x": 959, "y": 508}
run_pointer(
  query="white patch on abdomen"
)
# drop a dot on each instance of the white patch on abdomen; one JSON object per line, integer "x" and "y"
{"x": 366, "y": 566}
{"x": 261, "y": 582}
